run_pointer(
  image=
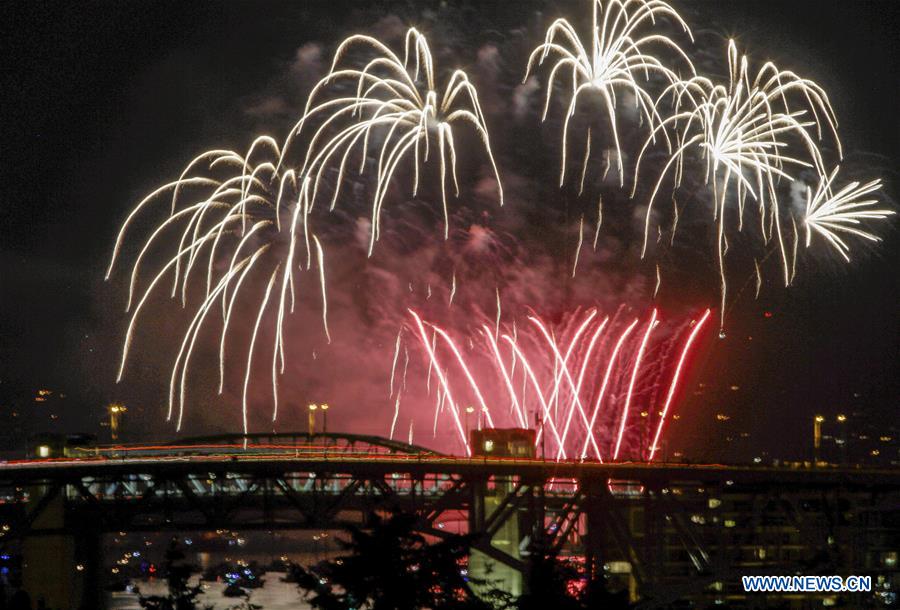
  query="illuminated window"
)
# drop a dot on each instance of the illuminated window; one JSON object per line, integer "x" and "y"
{"x": 43, "y": 451}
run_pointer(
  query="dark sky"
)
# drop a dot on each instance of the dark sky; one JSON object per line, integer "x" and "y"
{"x": 101, "y": 101}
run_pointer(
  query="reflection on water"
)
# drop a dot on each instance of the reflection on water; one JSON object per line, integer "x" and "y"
{"x": 275, "y": 595}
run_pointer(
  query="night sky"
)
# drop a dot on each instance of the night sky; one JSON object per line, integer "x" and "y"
{"x": 103, "y": 101}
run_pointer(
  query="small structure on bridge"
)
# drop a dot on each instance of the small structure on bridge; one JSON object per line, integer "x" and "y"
{"x": 503, "y": 442}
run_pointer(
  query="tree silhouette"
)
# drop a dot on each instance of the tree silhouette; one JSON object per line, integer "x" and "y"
{"x": 181, "y": 596}
{"x": 245, "y": 603}
{"x": 392, "y": 567}
{"x": 551, "y": 583}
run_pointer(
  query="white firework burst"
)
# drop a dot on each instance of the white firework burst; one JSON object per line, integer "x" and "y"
{"x": 396, "y": 108}
{"x": 618, "y": 57}
{"x": 749, "y": 134}
{"x": 830, "y": 213}
{"x": 237, "y": 220}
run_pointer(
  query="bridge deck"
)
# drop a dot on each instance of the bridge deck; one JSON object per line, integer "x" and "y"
{"x": 24, "y": 471}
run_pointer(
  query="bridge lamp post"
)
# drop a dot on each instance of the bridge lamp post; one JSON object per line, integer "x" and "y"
{"x": 817, "y": 437}
{"x": 312, "y": 418}
{"x": 324, "y": 407}
{"x": 116, "y": 411}
{"x": 841, "y": 419}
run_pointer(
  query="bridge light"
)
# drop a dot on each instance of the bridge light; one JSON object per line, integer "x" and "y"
{"x": 817, "y": 437}
{"x": 116, "y": 410}
{"x": 312, "y": 418}
{"x": 43, "y": 451}
{"x": 841, "y": 418}
{"x": 324, "y": 407}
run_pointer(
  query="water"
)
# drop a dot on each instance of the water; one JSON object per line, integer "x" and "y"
{"x": 275, "y": 595}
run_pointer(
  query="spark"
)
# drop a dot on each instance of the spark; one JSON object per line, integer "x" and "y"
{"x": 396, "y": 414}
{"x": 507, "y": 378}
{"x": 443, "y": 379}
{"x": 405, "y": 367}
{"x": 320, "y": 256}
{"x": 262, "y": 309}
{"x": 634, "y": 373}
{"x": 468, "y": 374}
{"x": 394, "y": 361}
{"x": 830, "y": 213}
{"x": 759, "y": 280}
{"x": 614, "y": 59}
{"x": 603, "y": 386}
{"x": 561, "y": 369}
{"x": 794, "y": 248}
{"x": 674, "y": 220}
{"x": 578, "y": 247}
{"x": 675, "y": 378}
{"x": 575, "y": 388}
{"x": 497, "y": 321}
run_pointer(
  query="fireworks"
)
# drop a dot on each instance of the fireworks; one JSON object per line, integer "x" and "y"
{"x": 238, "y": 235}
{"x": 397, "y": 105}
{"x": 750, "y": 132}
{"x": 238, "y": 223}
{"x": 243, "y": 217}
{"x": 829, "y": 213}
{"x": 583, "y": 380}
{"x": 617, "y": 56}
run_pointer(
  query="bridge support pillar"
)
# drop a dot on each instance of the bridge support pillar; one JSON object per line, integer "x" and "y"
{"x": 48, "y": 553}
{"x": 61, "y": 566}
{"x": 491, "y": 565}
{"x": 593, "y": 542}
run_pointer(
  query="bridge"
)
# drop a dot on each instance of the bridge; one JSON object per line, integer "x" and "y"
{"x": 666, "y": 532}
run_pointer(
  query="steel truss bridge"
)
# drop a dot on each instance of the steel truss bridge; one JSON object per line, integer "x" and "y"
{"x": 668, "y": 532}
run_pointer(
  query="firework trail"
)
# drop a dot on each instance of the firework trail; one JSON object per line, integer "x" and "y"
{"x": 751, "y": 131}
{"x": 580, "y": 378}
{"x": 616, "y": 57}
{"x": 395, "y": 107}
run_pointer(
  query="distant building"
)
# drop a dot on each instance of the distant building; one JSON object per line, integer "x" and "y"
{"x": 51, "y": 445}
